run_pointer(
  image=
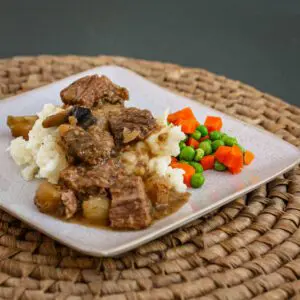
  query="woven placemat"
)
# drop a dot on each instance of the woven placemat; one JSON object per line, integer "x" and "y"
{"x": 249, "y": 248}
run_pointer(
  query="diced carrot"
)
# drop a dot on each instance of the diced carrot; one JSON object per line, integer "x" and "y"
{"x": 207, "y": 162}
{"x": 189, "y": 171}
{"x": 248, "y": 157}
{"x": 235, "y": 171}
{"x": 213, "y": 123}
{"x": 234, "y": 159}
{"x": 173, "y": 160}
{"x": 193, "y": 143}
{"x": 187, "y": 126}
{"x": 204, "y": 138}
{"x": 184, "y": 114}
{"x": 222, "y": 153}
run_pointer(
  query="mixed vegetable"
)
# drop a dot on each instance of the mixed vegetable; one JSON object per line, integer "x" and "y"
{"x": 206, "y": 147}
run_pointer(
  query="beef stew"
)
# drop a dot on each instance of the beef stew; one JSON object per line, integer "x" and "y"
{"x": 94, "y": 130}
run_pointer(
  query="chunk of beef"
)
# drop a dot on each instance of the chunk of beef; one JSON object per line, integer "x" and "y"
{"x": 91, "y": 147}
{"x": 130, "y": 206}
{"x": 158, "y": 190}
{"x": 163, "y": 196}
{"x": 91, "y": 180}
{"x": 102, "y": 114}
{"x": 103, "y": 140}
{"x": 93, "y": 91}
{"x": 131, "y": 124}
{"x": 70, "y": 203}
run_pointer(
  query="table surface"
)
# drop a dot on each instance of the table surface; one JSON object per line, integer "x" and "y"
{"x": 257, "y": 42}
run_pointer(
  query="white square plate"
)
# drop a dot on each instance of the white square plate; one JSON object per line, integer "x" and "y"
{"x": 273, "y": 157}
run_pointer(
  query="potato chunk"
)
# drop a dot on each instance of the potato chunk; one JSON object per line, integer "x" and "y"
{"x": 48, "y": 198}
{"x": 96, "y": 208}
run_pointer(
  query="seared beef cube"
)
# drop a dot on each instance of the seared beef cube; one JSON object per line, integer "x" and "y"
{"x": 70, "y": 203}
{"x": 90, "y": 180}
{"x": 131, "y": 124}
{"x": 90, "y": 147}
{"x": 102, "y": 114}
{"x": 165, "y": 199}
{"x": 158, "y": 190}
{"x": 103, "y": 140}
{"x": 92, "y": 91}
{"x": 130, "y": 206}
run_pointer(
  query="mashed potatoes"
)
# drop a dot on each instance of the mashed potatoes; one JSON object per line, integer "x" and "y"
{"x": 40, "y": 156}
{"x": 155, "y": 154}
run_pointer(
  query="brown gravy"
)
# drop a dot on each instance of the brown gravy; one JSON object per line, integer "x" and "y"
{"x": 157, "y": 215}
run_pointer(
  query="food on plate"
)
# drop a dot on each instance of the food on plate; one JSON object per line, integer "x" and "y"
{"x": 99, "y": 160}
{"x": 105, "y": 163}
{"x": 205, "y": 147}
{"x": 20, "y": 126}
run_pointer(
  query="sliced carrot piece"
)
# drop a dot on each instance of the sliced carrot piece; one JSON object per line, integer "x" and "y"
{"x": 248, "y": 157}
{"x": 187, "y": 126}
{"x": 222, "y": 152}
{"x": 193, "y": 143}
{"x": 234, "y": 159}
{"x": 204, "y": 138}
{"x": 173, "y": 160}
{"x": 213, "y": 123}
{"x": 184, "y": 114}
{"x": 207, "y": 162}
{"x": 189, "y": 172}
{"x": 235, "y": 171}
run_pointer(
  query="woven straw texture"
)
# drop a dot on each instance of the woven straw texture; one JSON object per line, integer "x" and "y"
{"x": 248, "y": 249}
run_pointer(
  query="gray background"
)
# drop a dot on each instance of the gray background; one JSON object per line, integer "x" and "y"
{"x": 256, "y": 41}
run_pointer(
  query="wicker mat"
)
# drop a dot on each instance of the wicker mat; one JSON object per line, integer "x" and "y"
{"x": 248, "y": 249}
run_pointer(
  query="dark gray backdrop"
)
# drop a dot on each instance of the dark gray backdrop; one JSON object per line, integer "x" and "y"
{"x": 255, "y": 41}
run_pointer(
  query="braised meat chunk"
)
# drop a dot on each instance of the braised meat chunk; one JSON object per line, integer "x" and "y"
{"x": 70, "y": 203}
{"x": 91, "y": 147}
{"x": 91, "y": 180}
{"x": 132, "y": 124}
{"x": 158, "y": 190}
{"x": 93, "y": 91}
{"x": 130, "y": 206}
{"x": 104, "y": 141}
{"x": 165, "y": 199}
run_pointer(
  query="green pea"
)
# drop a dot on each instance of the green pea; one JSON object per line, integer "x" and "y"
{"x": 187, "y": 153}
{"x": 242, "y": 148}
{"x": 182, "y": 145}
{"x": 206, "y": 147}
{"x": 219, "y": 166}
{"x": 196, "y": 135}
{"x": 196, "y": 166}
{"x": 216, "y": 144}
{"x": 223, "y": 137}
{"x": 230, "y": 141}
{"x": 197, "y": 180}
{"x": 203, "y": 130}
{"x": 215, "y": 135}
{"x": 199, "y": 154}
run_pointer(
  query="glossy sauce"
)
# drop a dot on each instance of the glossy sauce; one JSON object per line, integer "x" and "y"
{"x": 157, "y": 214}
